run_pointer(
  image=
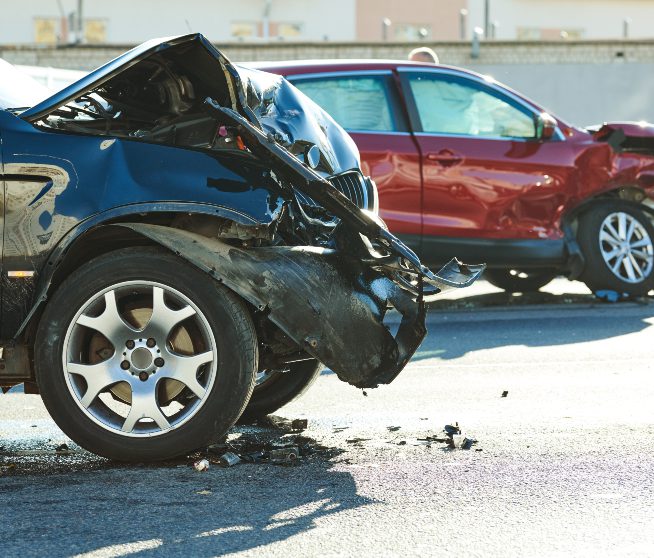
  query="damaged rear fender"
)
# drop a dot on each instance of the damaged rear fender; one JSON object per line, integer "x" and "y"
{"x": 332, "y": 306}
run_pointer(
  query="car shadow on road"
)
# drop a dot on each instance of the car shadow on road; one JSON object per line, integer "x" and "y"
{"x": 578, "y": 320}
{"x": 169, "y": 510}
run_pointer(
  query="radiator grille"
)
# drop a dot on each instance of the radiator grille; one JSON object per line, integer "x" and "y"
{"x": 352, "y": 185}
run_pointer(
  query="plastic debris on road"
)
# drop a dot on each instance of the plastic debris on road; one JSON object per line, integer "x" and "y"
{"x": 269, "y": 440}
{"x": 288, "y": 455}
{"x": 611, "y": 296}
{"x": 452, "y": 436}
{"x": 201, "y": 465}
{"x": 229, "y": 459}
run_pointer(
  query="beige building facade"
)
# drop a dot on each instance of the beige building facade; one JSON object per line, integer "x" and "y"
{"x": 410, "y": 20}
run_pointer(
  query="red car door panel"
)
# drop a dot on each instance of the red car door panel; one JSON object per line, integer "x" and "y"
{"x": 393, "y": 162}
{"x": 494, "y": 188}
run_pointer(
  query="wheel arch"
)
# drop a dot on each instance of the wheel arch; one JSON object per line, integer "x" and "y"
{"x": 634, "y": 194}
{"x": 102, "y": 233}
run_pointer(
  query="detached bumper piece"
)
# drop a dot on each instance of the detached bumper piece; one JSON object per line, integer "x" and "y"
{"x": 330, "y": 305}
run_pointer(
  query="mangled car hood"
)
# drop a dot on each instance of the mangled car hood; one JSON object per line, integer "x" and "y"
{"x": 268, "y": 101}
{"x": 633, "y": 137}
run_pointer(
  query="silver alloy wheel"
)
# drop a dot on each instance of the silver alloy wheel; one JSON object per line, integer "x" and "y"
{"x": 626, "y": 247}
{"x": 136, "y": 382}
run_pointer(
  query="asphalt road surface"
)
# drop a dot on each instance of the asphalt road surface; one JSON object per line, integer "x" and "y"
{"x": 563, "y": 465}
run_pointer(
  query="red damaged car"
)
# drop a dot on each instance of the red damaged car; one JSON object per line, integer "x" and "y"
{"x": 465, "y": 166}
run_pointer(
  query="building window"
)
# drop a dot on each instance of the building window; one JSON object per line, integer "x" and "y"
{"x": 243, "y": 30}
{"x": 545, "y": 34}
{"x": 95, "y": 31}
{"x": 288, "y": 30}
{"x": 46, "y": 30}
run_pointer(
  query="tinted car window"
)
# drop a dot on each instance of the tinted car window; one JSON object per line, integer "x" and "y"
{"x": 452, "y": 105}
{"x": 356, "y": 103}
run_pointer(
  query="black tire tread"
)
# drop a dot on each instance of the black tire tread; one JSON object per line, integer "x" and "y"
{"x": 284, "y": 389}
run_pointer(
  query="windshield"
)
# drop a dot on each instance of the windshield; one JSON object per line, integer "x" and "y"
{"x": 17, "y": 89}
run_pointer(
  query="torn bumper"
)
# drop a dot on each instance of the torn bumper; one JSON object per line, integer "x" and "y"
{"x": 332, "y": 306}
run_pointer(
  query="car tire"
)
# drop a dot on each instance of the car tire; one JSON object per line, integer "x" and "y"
{"x": 617, "y": 241}
{"x": 97, "y": 347}
{"x": 519, "y": 281}
{"x": 274, "y": 390}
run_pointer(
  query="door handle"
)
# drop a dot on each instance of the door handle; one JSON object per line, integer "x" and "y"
{"x": 445, "y": 158}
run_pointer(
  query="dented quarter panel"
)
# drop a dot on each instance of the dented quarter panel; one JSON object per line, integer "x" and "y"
{"x": 55, "y": 182}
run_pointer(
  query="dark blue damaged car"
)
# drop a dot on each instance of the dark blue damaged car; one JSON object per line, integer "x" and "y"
{"x": 185, "y": 242}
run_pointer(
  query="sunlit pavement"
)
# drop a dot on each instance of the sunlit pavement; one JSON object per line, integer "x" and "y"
{"x": 566, "y": 465}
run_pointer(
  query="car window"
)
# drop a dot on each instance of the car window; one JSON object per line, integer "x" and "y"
{"x": 452, "y": 105}
{"x": 356, "y": 103}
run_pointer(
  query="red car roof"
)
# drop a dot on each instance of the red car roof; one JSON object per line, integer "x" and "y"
{"x": 294, "y": 67}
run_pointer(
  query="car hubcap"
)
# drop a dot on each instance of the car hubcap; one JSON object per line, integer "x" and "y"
{"x": 139, "y": 358}
{"x": 626, "y": 247}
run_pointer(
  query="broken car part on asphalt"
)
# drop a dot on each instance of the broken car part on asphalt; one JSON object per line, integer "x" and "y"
{"x": 169, "y": 163}
{"x": 229, "y": 459}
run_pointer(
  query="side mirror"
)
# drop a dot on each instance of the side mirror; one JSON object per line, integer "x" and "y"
{"x": 545, "y": 126}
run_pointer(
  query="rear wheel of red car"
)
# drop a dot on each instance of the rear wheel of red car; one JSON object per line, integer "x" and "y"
{"x": 519, "y": 281}
{"x": 617, "y": 240}
{"x": 275, "y": 388}
{"x": 142, "y": 357}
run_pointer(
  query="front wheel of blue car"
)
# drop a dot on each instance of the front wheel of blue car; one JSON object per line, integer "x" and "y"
{"x": 140, "y": 356}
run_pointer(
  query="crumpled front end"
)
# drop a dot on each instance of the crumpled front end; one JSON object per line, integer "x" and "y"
{"x": 320, "y": 270}
{"x": 333, "y": 307}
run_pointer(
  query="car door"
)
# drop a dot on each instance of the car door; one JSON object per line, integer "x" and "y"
{"x": 490, "y": 184}
{"x": 367, "y": 105}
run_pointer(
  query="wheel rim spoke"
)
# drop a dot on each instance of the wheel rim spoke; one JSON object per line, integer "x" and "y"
{"x": 640, "y": 243}
{"x": 644, "y": 256}
{"x": 612, "y": 231}
{"x": 164, "y": 318}
{"x": 606, "y": 237}
{"x": 612, "y": 254}
{"x": 185, "y": 368}
{"x": 98, "y": 377}
{"x": 109, "y": 323}
{"x": 634, "y": 264}
{"x": 630, "y": 229}
{"x": 622, "y": 226}
{"x": 144, "y": 406}
{"x": 629, "y": 268}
